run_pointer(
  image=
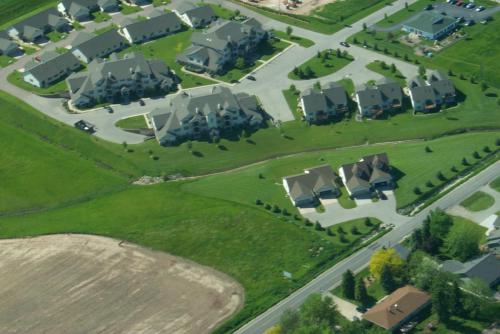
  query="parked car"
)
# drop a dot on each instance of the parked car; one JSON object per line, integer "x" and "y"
{"x": 480, "y": 9}
{"x": 469, "y": 23}
{"x": 251, "y": 77}
{"x": 109, "y": 109}
{"x": 345, "y": 44}
{"x": 142, "y": 103}
{"x": 429, "y": 7}
{"x": 85, "y": 126}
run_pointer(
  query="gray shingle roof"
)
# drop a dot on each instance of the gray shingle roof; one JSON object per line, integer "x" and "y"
{"x": 332, "y": 94}
{"x": 486, "y": 268}
{"x": 199, "y": 14}
{"x": 441, "y": 84}
{"x": 390, "y": 89}
{"x": 368, "y": 95}
{"x": 6, "y": 44}
{"x": 47, "y": 18}
{"x": 107, "y": 42}
{"x": 311, "y": 181}
{"x": 368, "y": 169}
{"x": 430, "y": 22}
{"x": 51, "y": 65}
{"x": 162, "y": 23}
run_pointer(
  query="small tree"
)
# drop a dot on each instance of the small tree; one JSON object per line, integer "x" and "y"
{"x": 462, "y": 77}
{"x": 406, "y": 5}
{"x": 428, "y": 149}
{"x": 125, "y": 145}
{"x": 354, "y": 230}
{"x": 386, "y": 51}
{"x": 285, "y": 212}
{"x": 360, "y": 293}
{"x": 405, "y": 57}
{"x": 484, "y": 86}
{"x": 375, "y": 46}
{"x": 396, "y": 54}
{"x": 387, "y": 280}
{"x": 450, "y": 72}
{"x": 317, "y": 226}
{"x": 454, "y": 169}
{"x": 289, "y": 30}
{"x": 393, "y": 68}
{"x": 276, "y": 209}
{"x": 240, "y": 63}
{"x": 189, "y": 145}
{"x": 385, "y": 16}
{"x": 486, "y": 149}
{"x": 429, "y": 184}
{"x": 368, "y": 222}
{"x": 476, "y": 155}
{"x": 329, "y": 232}
{"x": 383, "y": 65}
{"x": 340, "y": 230}
{"x": 309, "y": 73}
{"x": 417, "y": 191}
{"x": 317, "y": 85}
{"x": 421, "y": 70}
{"x": 364, "y": 26}
{"x": 355, "y": 40}
{"x": 296, "y": 71}
{"x": 348, "y": 284}
{"x": 390, "y": 36}
{"x": 267, "y": 207}
{"x": 343, "y": 239}
{"x": 465, "y": 162}
{"x": 338, "y": 53}
{"x": 258, "y": 202}
{"x": 440, "y": 176}
{"x": 318, "y": 54}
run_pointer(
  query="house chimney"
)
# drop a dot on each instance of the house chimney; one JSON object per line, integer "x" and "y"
{"x": 219, "y": 106}
{"x": 131, "y": 70}
{"x": 110, "y": 75}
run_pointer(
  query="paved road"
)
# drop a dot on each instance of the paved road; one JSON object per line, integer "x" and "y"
{"x": 356, "y": 262}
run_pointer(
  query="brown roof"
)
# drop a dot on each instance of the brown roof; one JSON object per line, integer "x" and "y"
{"x": 398, "y": 306}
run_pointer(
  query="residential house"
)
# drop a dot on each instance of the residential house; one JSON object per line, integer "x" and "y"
{"x": 221, "y": 44}
{"x": 209, "y": 115}
{"x": 369, "y": 173}
{"x": 305, "y": 189}
{"x": 88, "y": 47}
{"x": 118, "y": 79}
{"x": 138, "y": 2}
{"x": 320, "y": 105}
{"x": 50, "y": 67}
{"x": 154, "y": 27}
{"x": 108, "y": 5}
{"x": 374, "y": 99}
{"x": 9, "y": 48}
{"x": 399, "y": 308}
{"x": 34, "y": 28}
{"x": 431, "y": 25}
{"x": 81, "y": 10}
{"x": 493, "y": 242}
{"x": 431, "y": 95}
{"x": 195, "y": 16}
{"x": 486, "y": 268}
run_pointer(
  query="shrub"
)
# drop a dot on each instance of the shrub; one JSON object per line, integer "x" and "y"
{"x": 486, "y": 149}
{"x": 267, "y": 207}
{"x": 354, "y": 230}
{"x": 317, "y": 226}
{"x": 368, "y": 222}
{"x": 429, "y": 184}
{"x": 465, "y": 162}
{"x": 417, "y": 191}
{"x": 330, "y": 232}
{"x": 258, "y": 202}
{"x": 276, "y": 209}
{"x": 476, "y": 155}
{"x": 428, "y": 149}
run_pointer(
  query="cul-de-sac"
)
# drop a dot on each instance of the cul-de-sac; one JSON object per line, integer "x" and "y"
{"x": 249, "y": 166}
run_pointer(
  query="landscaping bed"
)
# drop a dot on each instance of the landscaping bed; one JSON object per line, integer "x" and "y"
{"x": 323, "y": 64}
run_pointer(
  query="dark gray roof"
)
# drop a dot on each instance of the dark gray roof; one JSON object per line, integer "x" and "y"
{"x": 368, "y": 95}
{"x": 390, "y": 89}
{"x": 441, "y": 84}
{"x": 51, "y": 64}
{"x": 209, "y": 57}
{"x": 48, "y": 17}
{"x": 100, "y": 43}
{"x": 6, "y": 44}
{"x": 324, "y": 99}
{"x": 153, "y": 25}
{"x": 311, "y": 181}
{"x": 486, "y": 268}
{"x": 420, "y": 92}
{"x": 83, "y": 3}
{"x": 430, "y": 22}
{"x": 199, "y": 14}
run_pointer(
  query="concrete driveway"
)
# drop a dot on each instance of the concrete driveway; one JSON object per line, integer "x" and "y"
{"x": 384, "y": 210}
{"x": 479, "y": 216}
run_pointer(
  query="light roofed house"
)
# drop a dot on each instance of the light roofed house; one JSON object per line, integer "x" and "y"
{"x": 221, "y": 44}
{"x": 88, "y": 47}
{"x": 34, "y": 28}
{"x": 369, "y": 173}
{"x": 204, "y": 116}
{"x": 120, "y": 79}
{"x": 398, "y": 308}
{"x": 195, "y": 16}
{"x": 306, "y": 189}
{"x": 431, "y": 25}
{"x": 49, "y": 68}
{"x": 320, "y": 105}
{"x": 159, "y": 24}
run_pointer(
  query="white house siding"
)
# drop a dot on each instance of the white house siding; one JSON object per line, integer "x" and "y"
{"x": 78, "y": 54}
{"x": 30, "y": 78}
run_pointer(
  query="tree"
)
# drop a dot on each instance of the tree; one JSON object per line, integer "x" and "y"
{"x": 390, "y": 36}
{"x": 360, "y": 293}
{"x": 289, "y": 321}
{"x": 316, "y": 310}
{"x": 416, "y": 239}
{"x": 296, "y": 71}
{"x": 479, "y": 287}
{"x": 428, "y": 149}
{"x": 463, "y": 242}
{"x": 439, "y": 223}
{"x": 406, "y": 5}
{"x": 348, "y": 284}
{"x": 364, "y": 26}
{"x": 258, "y": 202}
{"x": 317, "y": 226}
{"x": 274, "y": 330}
{"x": 317, "y": 85}
{"x": 476, "y": 155}
{"x": 421, "y": 70}
{"x": 385, "y": 257}
{"x": 405, "y": 57}
{"x": 189, "y": 145}
{"x": 465, "y": 162}
{"x": 424, "y": 272}
{"x": 329, "y": 232}
{"x": 308, "y": 72}
{"x": 486, "y": 149}
{"x": 393, "y": 68}
{"x": 368, "y": 222}
{"x": 338, "y": 53}
{"x": 440, "y": 295}
{"x": 124, "y": 144}
{"x": 383, "y": 65}
{"x": 441, "y": 176}
{"x": 318, "y": 54}
{"x": 417, "y": 191}
{"x": 385, "y": 16}
{"x": 450, "y": 72}
{"x": 354, "y": 230}
{"x": 355, "y": 40}
{"x": 240, "y": 63}
{"x": 462, "y": 77}
{"x": 387, "y": 279}
{"x": 375, "y": 46}
{"x": 289, "y": 30}
{"x": 454, "y": 169}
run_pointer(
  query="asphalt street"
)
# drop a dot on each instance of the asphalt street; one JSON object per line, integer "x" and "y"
{"x": 356, "y": 262}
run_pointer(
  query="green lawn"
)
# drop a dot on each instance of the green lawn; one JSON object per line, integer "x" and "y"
{"x": 378, "y": 67}
{"x": 6, "y": 60}
{"x": 101, "y": 17}
{"x": 166, "y": 49}
{"x": 157, "y": 3}
{"x": 292, "y": 99}
{"x": 16, "y": 78}
{"x": 456, "y": 325}
{"x": 478, "y": 201}
{"x": 475, "y": 55}
{"x": 405, "y": 13}
{"x": 374, "y": 289}
{"x": 221, "y": 12}
{"x": 126, "y": 10}
{"x": 496, "y": 184}
{"x": 304, "y": 42}
{"x": 135, "y": 122}
{"x": 321, "y": 65}
{"x": 13, "y": 11}
{"x": 56, "y": 36}
{"x": 112, "y": 26}
{"x": 345, "y": 201}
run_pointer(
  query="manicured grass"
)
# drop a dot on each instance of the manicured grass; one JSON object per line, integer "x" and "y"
{"x": 374, "y": 289}
{"x": 6, "y": 60}
{"x": 475, "y": 55}
{"x": 13, "y": 11}
{"x": 476, "y": 231}
{"x": 271, "y": 48}
{"x": 220, "y": 11}
{"x": 126, "y": 10}
{"x": 101, "y": 16}
{"x": 292, "y": 99}
{"x": 56, "y": 36}
{"x": 157, "y": 3}
{"x": 112, "y": 26}
{"x": 28, "y": 50}
{"x": 345, "y": 201}
{"x": 321, "y": 65}
{"x": 339, "y": 11}
{"x": 405, "y": 14}
{"x": 455, "y": 325}
{"x": 135, "y": 122}
{"x": 478, "y": 201}
{"x": 16, "y": 78}
{"x": 166, "y": 49}
{"x": 496, "y": 184}
{"x": 304, "y": 42}
{"x": 378, "y": 67}
{"x": 235, "y": 74}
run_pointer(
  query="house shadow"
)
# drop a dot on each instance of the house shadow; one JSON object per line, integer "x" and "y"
{"x": 397, "y": 174}
{"x": 460, "y": 96}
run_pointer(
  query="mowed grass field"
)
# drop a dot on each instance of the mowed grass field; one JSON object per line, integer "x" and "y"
{"x": 478, "y": 201}
{"x": 18, "y": 10}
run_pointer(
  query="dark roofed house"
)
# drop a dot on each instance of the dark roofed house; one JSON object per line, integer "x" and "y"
{"x": 319, "y": 105}
{"x": 79, "y": 10}
{"x": 204, "y": 116}
{"x": 398, "y": 308}
{"x": 34, "y": 28}
{"x": 430, "y": 25}
{"x": 305, "y": 189}
{"x": 422, "y": 95}
{"x": 9, "y": 48}
{"x": 108, "y": 5}
{"x": 195, "y": 16}
{"x": 493, "y": 241}
{"x": 369, "y": 173}
{"x": 486, "y": 268}
{"x": 87, "y": 47}
{"x": 49, "y": 68}
{"x": 154, "y": 27}
{"x": 369, "y": 100}
{"x": 392, "y": 95}
{"x": 443, "y": 87}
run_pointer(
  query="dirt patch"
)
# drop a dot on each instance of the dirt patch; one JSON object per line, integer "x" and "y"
{"x": 289, "y": 6}
{"x": 87, "y": 284}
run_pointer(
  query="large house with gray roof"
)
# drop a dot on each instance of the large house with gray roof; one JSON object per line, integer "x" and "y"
{"x": 368, "y": 174}
{"x": 374, "y": 99}
{"x": 34, "y": 28}
{"x": 486, "y": 268}
{"x": 9, "y": 48}
{"x": 430, "y": 95}
{"x": 159, "y": 24}
{"x": 431, "y": 25}
{"x": 315, "y": 183}
{"x": 81, "y": 10}
{"x": 88, "y": 47}
{"x": 320, "y": 105}
{"x": 205, "y": 116}
{"x": 50, "y": 67}
{"x": 221, "y": 44}
{"x": 195, "y": 16}
{"x": 118, "y": 79}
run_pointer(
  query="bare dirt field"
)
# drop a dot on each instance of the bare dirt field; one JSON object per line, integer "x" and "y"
{"x": 306, "y": 7}
{"x": 71, "y": 284}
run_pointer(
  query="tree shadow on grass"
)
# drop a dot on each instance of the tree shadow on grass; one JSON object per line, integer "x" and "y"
{"x": 460, "y": 326}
